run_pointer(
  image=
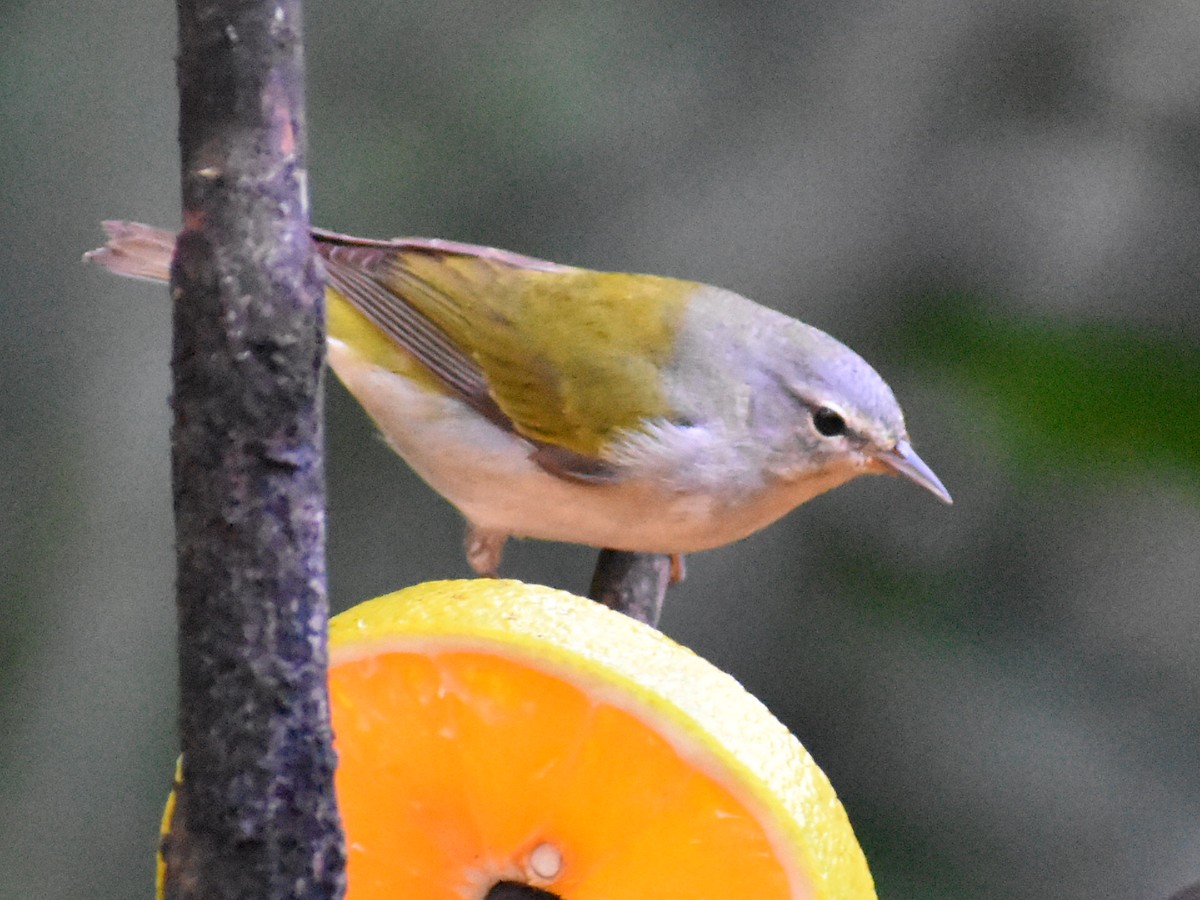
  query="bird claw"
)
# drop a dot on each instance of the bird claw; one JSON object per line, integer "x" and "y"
{"x": 678, "y": 568}
{"x": 484, "y": 549}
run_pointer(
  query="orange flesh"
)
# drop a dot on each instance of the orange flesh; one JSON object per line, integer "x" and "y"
{"x": 454, "y": 766}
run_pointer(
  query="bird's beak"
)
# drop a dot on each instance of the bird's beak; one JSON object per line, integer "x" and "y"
{"x": 903, "y": 460}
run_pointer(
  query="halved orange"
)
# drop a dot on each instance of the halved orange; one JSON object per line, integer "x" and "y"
{"x": 500, "y": 741}
{"x": 491, "y": 732}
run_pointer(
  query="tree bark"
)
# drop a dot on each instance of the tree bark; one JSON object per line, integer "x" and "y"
{"x": 632, "y": 583}
{"x": 255, "y": 815}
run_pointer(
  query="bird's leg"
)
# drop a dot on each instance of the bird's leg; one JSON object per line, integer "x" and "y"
{"x": 484, "y": 549}
{"x": 678, "y": 568}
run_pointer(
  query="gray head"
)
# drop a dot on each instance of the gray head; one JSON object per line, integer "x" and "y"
{"x": 848, "y": 414}
{"x": 801, "y": 406}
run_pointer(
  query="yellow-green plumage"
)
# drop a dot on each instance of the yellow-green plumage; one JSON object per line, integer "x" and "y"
{"x": 570, "y": 356}
{"x": 625, "y": 411}
{"x": 345, "y": 323}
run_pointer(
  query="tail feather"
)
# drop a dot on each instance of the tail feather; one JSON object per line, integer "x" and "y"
{"x": 135, "y": 251}
{"x": 142, "y": 251}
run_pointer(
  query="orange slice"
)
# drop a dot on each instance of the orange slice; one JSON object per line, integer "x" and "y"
{"x": 492, "y": 734}
{"x": 503, "y": 741}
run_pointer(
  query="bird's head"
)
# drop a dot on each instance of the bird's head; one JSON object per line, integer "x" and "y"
{"x": 828, "y": 412}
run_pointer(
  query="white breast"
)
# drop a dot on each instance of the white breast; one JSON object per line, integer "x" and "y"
{"x": 487, "y": 474}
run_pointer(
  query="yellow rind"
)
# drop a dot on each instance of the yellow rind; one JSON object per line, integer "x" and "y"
{"x": 705, "y": 710}
{"x": 164, "y": 829}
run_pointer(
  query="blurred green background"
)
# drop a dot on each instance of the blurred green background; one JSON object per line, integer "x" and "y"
{"x": 995, "y": 202}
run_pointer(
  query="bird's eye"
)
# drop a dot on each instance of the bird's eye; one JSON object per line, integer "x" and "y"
{"x": 828, "y": 422}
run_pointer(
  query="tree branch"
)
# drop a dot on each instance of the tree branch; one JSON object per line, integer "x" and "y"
{"x": 255, "y": 814}
{"x": 632, "y": 583}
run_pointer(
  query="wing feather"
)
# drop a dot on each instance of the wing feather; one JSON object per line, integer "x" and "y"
{"x": 376, "y": 280}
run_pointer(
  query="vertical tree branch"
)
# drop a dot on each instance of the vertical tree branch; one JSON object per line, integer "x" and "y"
{"x": 255, "y": 815}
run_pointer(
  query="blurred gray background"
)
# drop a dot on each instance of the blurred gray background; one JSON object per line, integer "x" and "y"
{"x": 995, "y": 201}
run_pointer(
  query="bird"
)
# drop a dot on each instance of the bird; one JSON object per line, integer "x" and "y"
{"x": 621, "y": 411}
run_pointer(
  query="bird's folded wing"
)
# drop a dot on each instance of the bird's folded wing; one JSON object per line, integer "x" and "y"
{"x": 563, "y": 357}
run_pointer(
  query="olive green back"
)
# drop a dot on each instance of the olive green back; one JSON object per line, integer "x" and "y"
{"x": 568, "y": 355}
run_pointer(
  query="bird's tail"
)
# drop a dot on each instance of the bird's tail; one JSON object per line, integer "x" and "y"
{"x": 135, "y": 251}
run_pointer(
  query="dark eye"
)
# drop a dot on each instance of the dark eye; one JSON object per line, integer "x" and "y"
{"x": 828, "y": 423}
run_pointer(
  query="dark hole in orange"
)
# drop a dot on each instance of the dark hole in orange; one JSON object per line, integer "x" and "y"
{"x": 517, "y": 890}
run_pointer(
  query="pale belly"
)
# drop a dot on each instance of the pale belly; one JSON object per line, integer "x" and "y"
{"x": 487, "y": 474}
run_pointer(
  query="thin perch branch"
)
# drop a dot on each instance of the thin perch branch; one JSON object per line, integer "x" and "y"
{"x": 632, "y": 583}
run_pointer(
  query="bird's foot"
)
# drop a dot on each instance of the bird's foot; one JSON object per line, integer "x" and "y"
{"x": 484, "y": 549}
{"x": 678, "y": 568}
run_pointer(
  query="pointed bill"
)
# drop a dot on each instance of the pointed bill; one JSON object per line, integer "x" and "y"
{"x": 903, "y": 460}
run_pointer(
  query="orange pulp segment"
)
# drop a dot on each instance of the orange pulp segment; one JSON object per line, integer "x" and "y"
{"x": 489, "y": 731}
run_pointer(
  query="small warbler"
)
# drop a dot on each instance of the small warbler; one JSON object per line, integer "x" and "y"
{"x": 632, "y": 412}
